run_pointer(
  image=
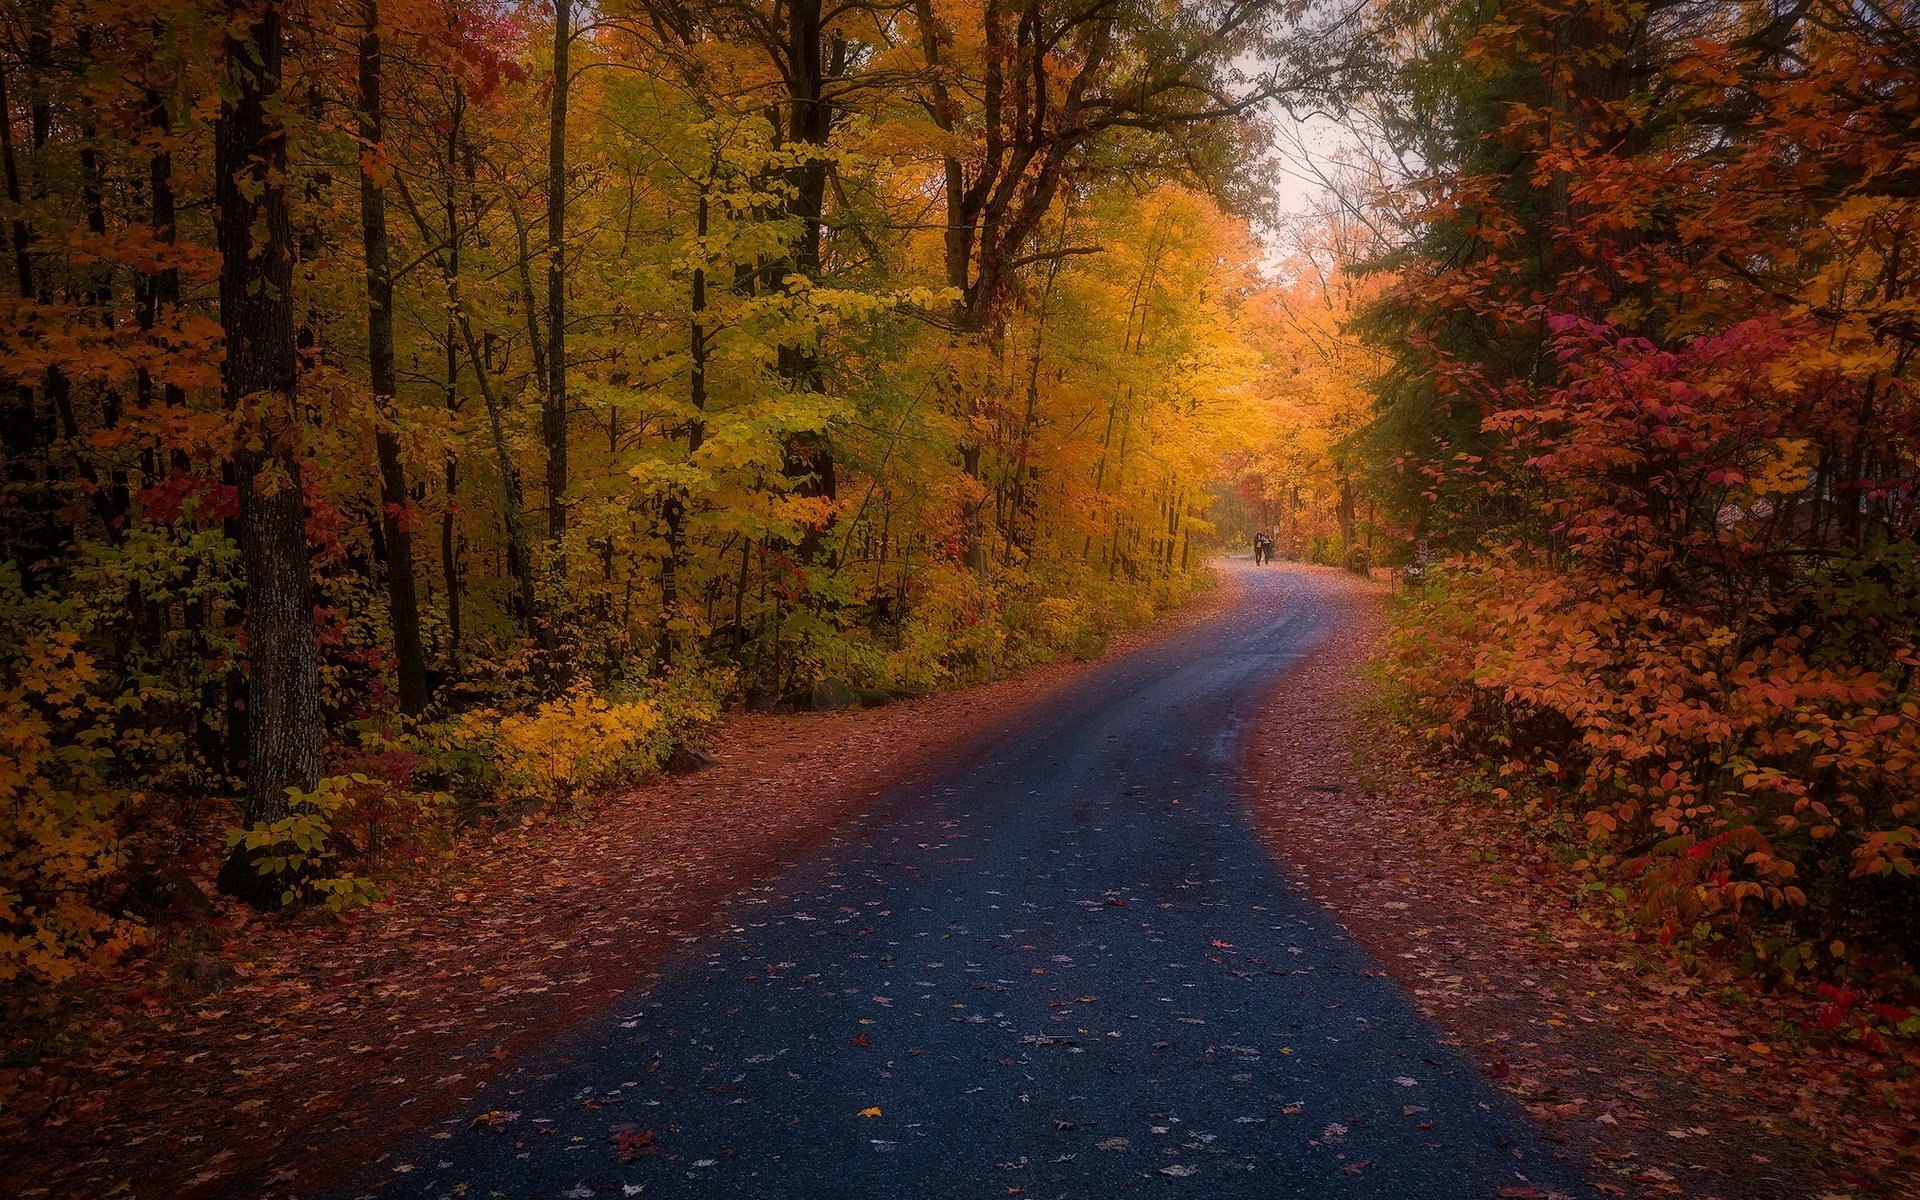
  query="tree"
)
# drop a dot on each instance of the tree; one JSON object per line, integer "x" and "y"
{"x": 260, "y": 376}
{"x": 1086, "y": 88}
{"x": 553, "y": 417}
{"x": 396, "y": 510}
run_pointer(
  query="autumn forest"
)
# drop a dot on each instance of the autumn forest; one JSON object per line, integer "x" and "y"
{"x": 423, "y": 422}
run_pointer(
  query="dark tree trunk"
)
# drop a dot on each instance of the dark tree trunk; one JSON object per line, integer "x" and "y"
{"x": 675, "y": 505}
{"x": 29, "y": 536}
{"x": 518, "y": 554}
{"x": 514, "y": 503}
{"x": 159, "y": 296}
{"x": 260, "y": 375}
{"x": 450, "y": 510}
{"x": 163, "y": 286}
{"x": 396, "y": 515}
{"x": 110, "y": 500}
{"x": 1592, "y": 114}
{"x": 809, "y": 462}
{"x": 553, "y": 425}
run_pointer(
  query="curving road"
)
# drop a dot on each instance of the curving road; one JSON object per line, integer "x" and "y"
{"x": 1065, "y": 970}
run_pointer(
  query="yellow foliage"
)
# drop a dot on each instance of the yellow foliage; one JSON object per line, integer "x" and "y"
{"x": 582, "y": 741}
{"x": 58, "y": 833}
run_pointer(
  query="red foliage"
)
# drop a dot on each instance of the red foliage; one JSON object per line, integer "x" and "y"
{"x": 204, "y": 499}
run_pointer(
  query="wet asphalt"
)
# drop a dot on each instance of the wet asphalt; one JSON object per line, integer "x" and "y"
{"x": 1066, "y": 968}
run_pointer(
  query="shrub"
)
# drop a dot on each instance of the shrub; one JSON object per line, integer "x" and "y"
{"x": 308, "y": 847}
{"x": 59, "y": 834}
{"x": 1737, "y": 724}
{"x": 581, "y": 742}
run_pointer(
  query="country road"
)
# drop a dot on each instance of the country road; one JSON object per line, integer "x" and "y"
{"x": 1067, "y": 969}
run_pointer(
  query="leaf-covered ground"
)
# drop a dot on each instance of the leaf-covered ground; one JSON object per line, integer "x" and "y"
{"x": 1064, "y": 967}
{"x": 330, "y": 1041}
{"x": 320, "y": 1041}
{"x": 1673, "y": 1081}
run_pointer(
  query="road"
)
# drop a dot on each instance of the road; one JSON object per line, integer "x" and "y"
{"x": 1065, "y": 969}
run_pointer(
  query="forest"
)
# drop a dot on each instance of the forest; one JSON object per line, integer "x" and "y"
{"x": 422, "y": 415}
{"x": 420, "y": 405}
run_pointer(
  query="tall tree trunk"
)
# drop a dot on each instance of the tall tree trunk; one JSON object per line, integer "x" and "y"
{"x": 675, "y": 506}
{"x": 809, "y": 464}
{"x": 1021, "y": 469}
{"x": 396, "y": 515}
{"x": 450, "y": 510}
{"x": 162, "y": 294}
{"x": 1592, "y": 115}
{"x": 110, "y": 500}
{"x": 55, "y": 386}
{"x": 1345, "y": 514}
{"x": 553, "y": 425}
{"x": 29, "y": 538}
{"x": 158, "y": 296}
{"x": 519, "y": 562}
{"x": 1133, "y": 340}
{"x": 259, "y": 375}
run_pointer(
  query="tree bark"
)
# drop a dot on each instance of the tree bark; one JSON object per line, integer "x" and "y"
{"x": 518, "y": 553}
{"x": 1346, "y": 515}
{"x": 28, "y": 538}
{"x": 450, "y": 511}
{"x": 259, "y": 375}
{"x": 675, "y": 505}
{"x": 396, "y": 515}
{"x": 553, "y": 425}
{"x": 809, "y": 464}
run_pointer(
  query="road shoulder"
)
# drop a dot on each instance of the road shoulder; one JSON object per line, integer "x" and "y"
{"x": 326, "y": 1040}
{"x": 1640, "y": 1071}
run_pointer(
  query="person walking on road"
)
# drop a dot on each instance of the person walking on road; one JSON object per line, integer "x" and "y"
{"x": 1262, "y": 548}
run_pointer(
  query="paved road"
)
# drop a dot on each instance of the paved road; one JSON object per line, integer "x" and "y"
{"x": 1066, "y": 970}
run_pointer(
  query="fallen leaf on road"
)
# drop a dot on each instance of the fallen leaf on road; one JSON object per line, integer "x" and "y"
{"x": 627, "y": 1142}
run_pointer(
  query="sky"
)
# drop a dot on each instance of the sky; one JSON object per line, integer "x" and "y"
{"x": 1302, "y": 149}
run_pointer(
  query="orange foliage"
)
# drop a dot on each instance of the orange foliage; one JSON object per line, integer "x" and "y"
{"x": 1683, "y": 622}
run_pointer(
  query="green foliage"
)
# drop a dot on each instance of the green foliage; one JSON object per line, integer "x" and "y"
{"x": 304, "y": 849}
